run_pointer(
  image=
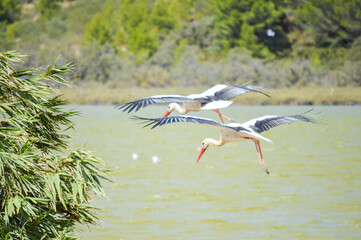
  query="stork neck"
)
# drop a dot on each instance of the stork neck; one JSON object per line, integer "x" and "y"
{"x": 181, "y": 110}
{"x": 216, "y": 143}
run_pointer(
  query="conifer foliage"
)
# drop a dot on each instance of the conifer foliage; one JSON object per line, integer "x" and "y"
{"x": 44, "y": 192}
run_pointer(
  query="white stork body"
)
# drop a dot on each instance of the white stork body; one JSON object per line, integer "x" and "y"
{"x": 233, "y": 132}
{"x": 216, "y": 97}
{"x": 229, "y": 135}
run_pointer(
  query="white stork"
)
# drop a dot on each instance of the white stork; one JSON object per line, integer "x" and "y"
{"x": 233, "y": 132}
{"x": 214, "y": 98}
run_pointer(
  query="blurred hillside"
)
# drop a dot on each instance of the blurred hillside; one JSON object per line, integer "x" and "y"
{"x": 184, "y": 43}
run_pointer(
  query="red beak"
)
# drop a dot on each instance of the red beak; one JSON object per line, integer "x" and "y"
{"x": 166, "y": 114}
{"x": 201, "y": 153}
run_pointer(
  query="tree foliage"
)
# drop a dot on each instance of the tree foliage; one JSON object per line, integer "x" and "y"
{"x": 9, "y": 10}
{"x": 137, "y": 25}
{"x": 98, "y": 30}
{"x": 161, "y": 16}
{"x": 44, "y": 192}
{"x": 229, "y": 19}
{"x": 333, "y": 22}
{"x": 47, "y": 8}
{"x": 249, "y": 22}
{"x": 158, "y": 37}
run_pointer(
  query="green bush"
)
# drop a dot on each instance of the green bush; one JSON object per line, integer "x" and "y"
{"x": 354, "y": 53}
{"x": 332, "y": 22}
{"x": 44, "y": 192}
{"x": 48, "y": 8}
{"x": 9, "y": 10}
{"x": 98, "y": 31}
{"x": 56, "y": 28}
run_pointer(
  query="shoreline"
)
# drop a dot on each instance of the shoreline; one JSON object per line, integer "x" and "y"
{"x": 101, "y": 94}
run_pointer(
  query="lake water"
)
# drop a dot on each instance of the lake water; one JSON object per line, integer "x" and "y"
{"x": 313, "y": 190}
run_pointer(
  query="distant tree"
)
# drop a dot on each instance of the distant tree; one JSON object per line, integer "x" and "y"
{"x": 354, "y": 53}
{"x": 9, "y": 10}
{"x": 228, "y": 20}
{"x": 161, "y": 17}
{"x": 144, "y": 40}
{"x": 47, "y": 8}
{"x": 45, "y": 189}
{"x": 98, "y": 31}
{"x": 198, "y": 32}
{"x": 181, "y": 10}
{"x": 136, "y": 27}
{"x": 333, "y": 22}
{"x": 257, "y": 17}
{"x": 249, "y": 41}
{"x": 133, "y": 13}
{"x": 269, "y": 28}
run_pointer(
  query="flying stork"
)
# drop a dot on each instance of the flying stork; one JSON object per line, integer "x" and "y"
{"x": 214, "y": 98}
{"x": 233, "y": 132}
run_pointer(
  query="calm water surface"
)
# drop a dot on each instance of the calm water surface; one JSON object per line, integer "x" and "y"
{"x": 313, "y": 190}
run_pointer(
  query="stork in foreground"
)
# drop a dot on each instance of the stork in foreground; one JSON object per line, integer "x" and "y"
{"x": 233, "y": 132}
{"x": 216, "y": 97}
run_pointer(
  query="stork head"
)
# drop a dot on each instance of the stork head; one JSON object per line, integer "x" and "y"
{"x": 171, "y": 108}
{"x": 205, "y": 144}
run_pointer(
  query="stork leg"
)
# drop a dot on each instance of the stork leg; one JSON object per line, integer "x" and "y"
{"x": 222, "y": 115}
{"x": 259, "y": 153}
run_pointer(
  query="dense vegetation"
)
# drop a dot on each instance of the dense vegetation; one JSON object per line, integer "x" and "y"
{"x": 157, "y": 43}
{"x": 45, "y": 189}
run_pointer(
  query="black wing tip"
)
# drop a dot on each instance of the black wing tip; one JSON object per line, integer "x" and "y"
{"x": 120, "y": 106}
{"x": 266, "y": 94}
{"x": 124, "y": 107}
{"x": 258, "y": 91}
{"x": 154, "y": 122}
{"x": 137, "y": 118}
{"x": 311, "y": 116}
{"x": 134, "y": 117}
{"x": 252, "y": 88}
{"x": 132, "y": 106}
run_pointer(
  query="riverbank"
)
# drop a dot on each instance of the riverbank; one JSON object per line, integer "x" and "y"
{"x": 107, "y": 94}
